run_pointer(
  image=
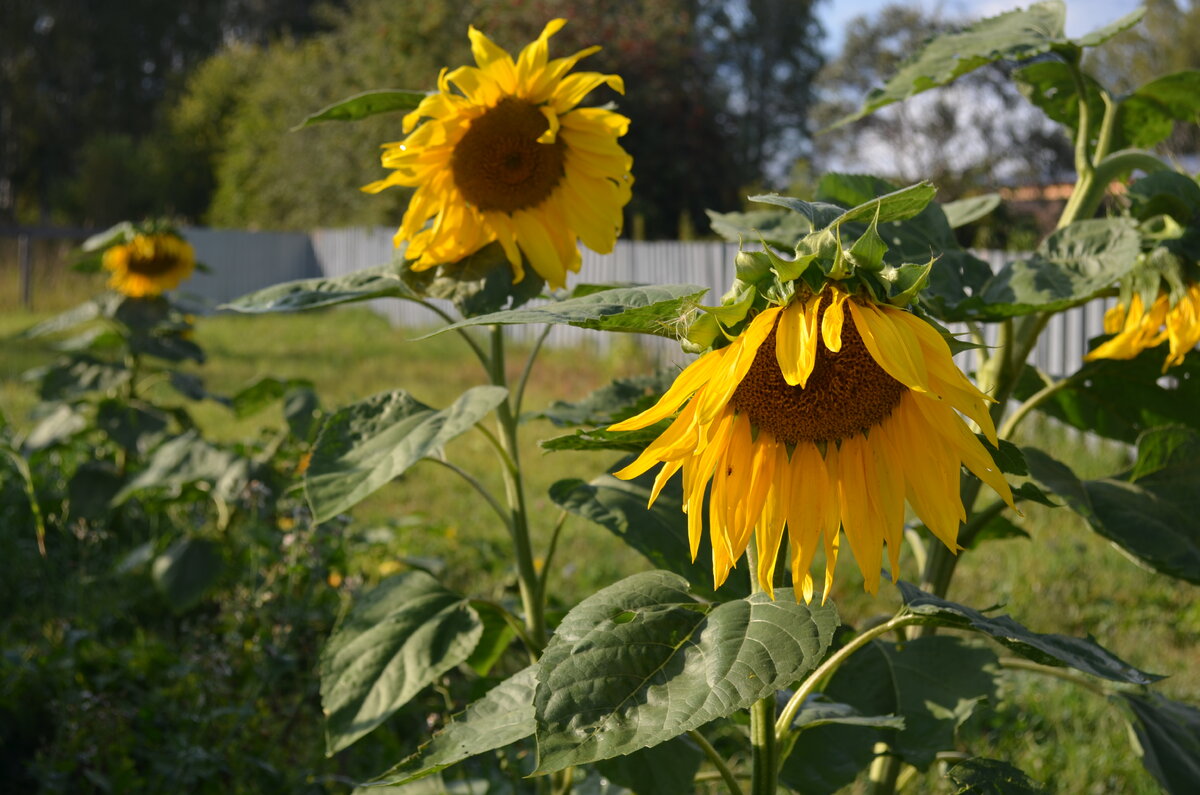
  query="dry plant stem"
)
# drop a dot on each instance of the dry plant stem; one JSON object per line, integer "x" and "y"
{"x": 717, "y": 761}
{"x": 506, "y": 422}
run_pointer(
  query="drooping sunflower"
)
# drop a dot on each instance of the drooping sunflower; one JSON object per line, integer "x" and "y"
{"x": 510, "y": 158}
{"x": 1136, "y": 328}
{"x": 830, "y": 411}
{"x": 149, "y": 264}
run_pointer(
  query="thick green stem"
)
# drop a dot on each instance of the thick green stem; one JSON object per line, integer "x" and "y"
{"x": 763, "y": 741}
{"x": 506, "y": 421}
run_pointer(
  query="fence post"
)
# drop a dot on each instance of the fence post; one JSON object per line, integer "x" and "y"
{"x": 25, "y": 259}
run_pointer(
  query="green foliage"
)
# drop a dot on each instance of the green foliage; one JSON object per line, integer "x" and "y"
{"x": 398, "y": 638}
{"x": 363, "y": 447}
{"x": 1149, "y": 511}
{"x": 643, "y": 655}
{"x": 979, "y": 776}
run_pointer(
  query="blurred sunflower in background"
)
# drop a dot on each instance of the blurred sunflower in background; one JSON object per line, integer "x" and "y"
{"x": 1137, "y": 328}
{"x": 828, "y": 411}
{"x": 148, "y": 264}
{"x": 510, "y": 158}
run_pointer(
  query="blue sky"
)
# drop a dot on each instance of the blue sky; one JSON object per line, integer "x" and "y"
{"x": 1082, "y": 15}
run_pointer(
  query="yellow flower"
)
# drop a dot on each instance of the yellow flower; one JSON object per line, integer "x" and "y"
{"x": 148, "y": 265}
{"x": 1136, "y": 329}
{"x": 511, "y": 158}
{"x": 828, "y": 412}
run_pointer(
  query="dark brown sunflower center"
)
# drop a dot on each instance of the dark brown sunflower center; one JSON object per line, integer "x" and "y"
{"x": 499, "y": 164}
{"x": 847, "y": 392}
{"x": 154, "y": 264}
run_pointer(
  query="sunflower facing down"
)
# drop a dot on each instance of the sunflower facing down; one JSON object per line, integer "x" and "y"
{"x": 1137, "y": 329}
{"x": 149, "y": 264}
{"x": 828, "y": 412}
{"x": 510, "y": 158}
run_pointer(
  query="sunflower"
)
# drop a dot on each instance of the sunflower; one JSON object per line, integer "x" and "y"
{"x": 827, "y": 412}
{"x": 1137, "y": 329}
{"x": 149, "y": 264}
{"x": 510, "y": 158}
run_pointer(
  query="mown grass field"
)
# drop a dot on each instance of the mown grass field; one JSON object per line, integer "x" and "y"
{"x": 1062, "y": 579}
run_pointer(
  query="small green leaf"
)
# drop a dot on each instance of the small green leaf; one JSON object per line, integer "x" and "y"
{"x": 368, "y": 103}
{"x": 646, "y": 309}
{"x": 59, "y": 425}
{"x": 780, "y": 229}
{"x": 659, "y": 532}
{"x": 1083, "y": 654}
{"x": 397, "y": 639}
{"x": 969, "y": 210}
{"x": 600, "y": 439}
{"x": 1168, "y": 734}
{"x": 383, "y": 281}
{"x": 817, "y": 214}
{"x": 186, "y": 571}
{"x": 1100, "y": 35}
{"x": 998, "y": 528}
{"x": 364, "y": 445}
{"x": 899, "y": 205}
{"x": 84, "y": 313}
{"x": 502, "y": 717}
{"x": 979, "y": 776}
{"x": 607, "y": 688}
{"x": 822, "y": 712}
{"x": 1153, "y": 511}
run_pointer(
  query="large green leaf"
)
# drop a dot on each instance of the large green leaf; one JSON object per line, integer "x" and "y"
{"x": 185, "y": 460}
{"x": 979, "y": 776}
{"x": 1152, "y": 511}
{"x": 1149, "y": 114}
{"x": 500, "y": 718}
{"x": 186, "y": 571}
{"x": 1122, "y": 399}
{"x": 383, "y": 281}
{"x": 1168, "y": 734}
{"x": 645, "y": 309}
{"x": 641, "y": 662}
{"x": 1015, "y": 36}
{"x": 479, "y": 284}
{"x": 368, "y": 103}
{"x": 1070, "y": 266}
{"x": 79, "y": 375}
{"x": 363, "y": 446}
{"x": 397, "y": 639}
{"x": 1083, "y": 654}
{"x": 85, "y": 312}
{"x": 931, "y": 684}
{"x": 1051, "y": 86}
{"x": 666, "y": 769}
{"x": 658, "y": 532}
{"x": 135, "y": 426}
{"x": 613, "y": 402}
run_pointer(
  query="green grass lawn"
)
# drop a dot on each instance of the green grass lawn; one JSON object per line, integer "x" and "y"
{"x": 1062, "y": 579}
